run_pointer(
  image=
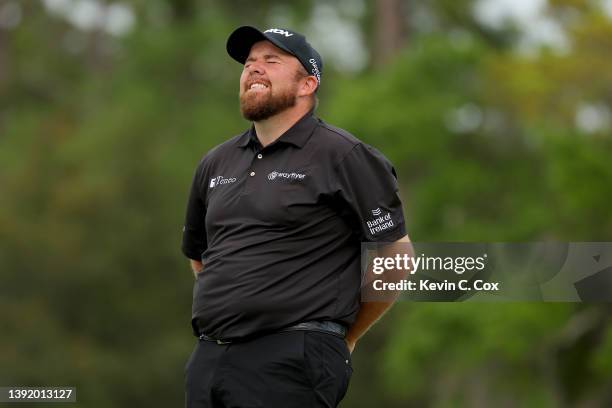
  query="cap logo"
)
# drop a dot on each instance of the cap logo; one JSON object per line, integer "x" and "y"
{"x": 315, "y": 69}
{"x": 279, "y": 31}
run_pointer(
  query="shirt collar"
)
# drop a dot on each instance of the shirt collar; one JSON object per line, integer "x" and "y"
{"x": 297, "y": 135}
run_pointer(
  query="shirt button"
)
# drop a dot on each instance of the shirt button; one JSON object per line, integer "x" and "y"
{"x": 259, "y": 156}
{"x": 252, "y": 173}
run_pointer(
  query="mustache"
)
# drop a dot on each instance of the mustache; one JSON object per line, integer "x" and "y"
{"x": 251, "y": 80}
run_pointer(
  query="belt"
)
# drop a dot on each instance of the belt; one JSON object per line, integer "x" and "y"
{"x": 329, "y": 327}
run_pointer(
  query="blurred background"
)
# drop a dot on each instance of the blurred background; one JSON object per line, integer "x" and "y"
{"x": 497, "y": 115}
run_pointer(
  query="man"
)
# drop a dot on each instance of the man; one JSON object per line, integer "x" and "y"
{"x": 273, "y": 229}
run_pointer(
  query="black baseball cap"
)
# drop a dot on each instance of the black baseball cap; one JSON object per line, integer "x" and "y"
{"x": 242, "y": 39}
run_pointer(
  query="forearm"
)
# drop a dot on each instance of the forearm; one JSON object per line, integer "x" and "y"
{"x": 196, "y": 266}
{"x": 368, "y": 314}
{"x": 372, "y": 311}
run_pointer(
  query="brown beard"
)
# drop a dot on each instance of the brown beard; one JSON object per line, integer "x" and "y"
{"x": 255, "y": 107}
{"x": 255, "y": 110}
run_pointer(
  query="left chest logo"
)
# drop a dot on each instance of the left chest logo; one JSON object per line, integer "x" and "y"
{"x": 280, "y": 175}
{"x": 220, "y": 180}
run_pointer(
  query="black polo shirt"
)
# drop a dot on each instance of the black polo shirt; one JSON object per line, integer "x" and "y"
{"x": 279, "y": 228}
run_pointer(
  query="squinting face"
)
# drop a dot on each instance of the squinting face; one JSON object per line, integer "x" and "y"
{"x": 269, "y": 81}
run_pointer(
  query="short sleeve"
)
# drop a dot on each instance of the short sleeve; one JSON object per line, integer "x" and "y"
{"x": 366, "y": 182}
{"x": 194, "y": 230}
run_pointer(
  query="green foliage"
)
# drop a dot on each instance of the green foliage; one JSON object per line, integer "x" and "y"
{"x": 494, "y": 346}
{"x": 97, "y": 150}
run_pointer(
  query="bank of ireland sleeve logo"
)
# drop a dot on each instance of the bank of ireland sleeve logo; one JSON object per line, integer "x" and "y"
{"x": 380, "y": 221}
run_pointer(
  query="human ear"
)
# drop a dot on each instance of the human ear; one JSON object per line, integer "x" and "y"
{"x": 309, "y": 86}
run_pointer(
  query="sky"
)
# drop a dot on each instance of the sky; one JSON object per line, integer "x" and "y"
{"x": 529, "y": 16}
{"x": 114, "y": 17}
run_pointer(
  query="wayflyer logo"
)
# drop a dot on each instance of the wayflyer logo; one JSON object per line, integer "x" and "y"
{"x": 287, "y": 176}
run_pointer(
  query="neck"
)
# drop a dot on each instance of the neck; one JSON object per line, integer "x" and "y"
{"x": 270, "y": 129}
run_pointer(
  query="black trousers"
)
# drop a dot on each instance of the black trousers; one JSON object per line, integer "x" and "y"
{"x": 288, "y": 369}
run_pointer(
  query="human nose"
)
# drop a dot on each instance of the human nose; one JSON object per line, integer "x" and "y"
{"x": 254, "y": 67}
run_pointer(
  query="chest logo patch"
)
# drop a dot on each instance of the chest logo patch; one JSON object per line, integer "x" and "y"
{"x": 279, "y": 175}
{"x": 220, "y": 180}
